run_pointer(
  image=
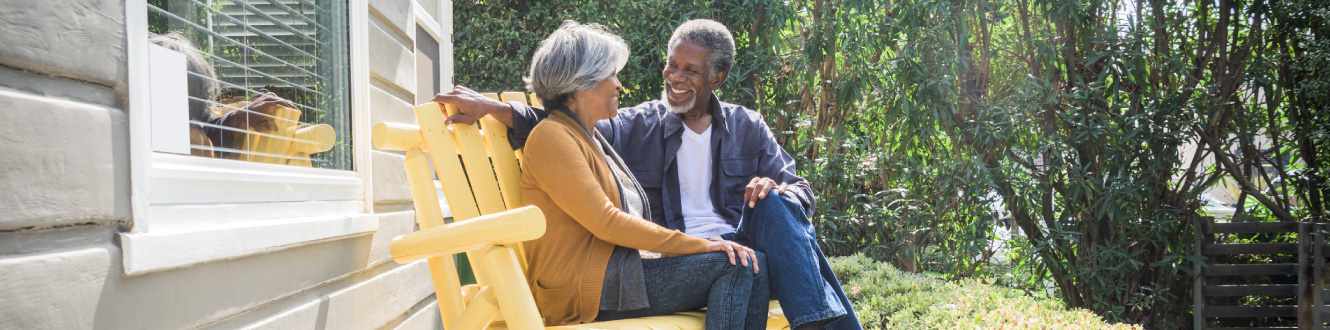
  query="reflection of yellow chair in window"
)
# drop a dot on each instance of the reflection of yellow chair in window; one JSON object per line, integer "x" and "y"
{"x": 275, "y": 135}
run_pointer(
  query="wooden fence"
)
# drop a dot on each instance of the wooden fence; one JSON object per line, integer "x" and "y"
{"x": 1301, "y": 278}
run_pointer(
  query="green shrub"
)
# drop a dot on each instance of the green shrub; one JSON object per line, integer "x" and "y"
{"x": 887, "y": 298}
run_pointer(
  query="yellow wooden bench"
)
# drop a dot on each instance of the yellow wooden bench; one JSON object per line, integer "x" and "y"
{"x": 479, "y": 173}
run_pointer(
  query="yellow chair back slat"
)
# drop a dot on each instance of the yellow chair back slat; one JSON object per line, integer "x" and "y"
{"x": 535, "y": 102}
{"x": 437, "y": 138}
{"x": 506, "y": 166}
{"x": 479, "y": 171}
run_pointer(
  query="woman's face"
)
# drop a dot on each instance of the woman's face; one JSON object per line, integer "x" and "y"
{"x": 601, "y": 101}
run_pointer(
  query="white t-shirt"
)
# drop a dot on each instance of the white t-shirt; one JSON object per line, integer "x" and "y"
{"x": 699, "y": 215}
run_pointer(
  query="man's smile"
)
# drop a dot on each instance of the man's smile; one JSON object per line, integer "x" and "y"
{"x": 678, "y": 94}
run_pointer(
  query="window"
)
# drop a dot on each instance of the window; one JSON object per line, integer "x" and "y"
{"x": 267, "y": 80}
{"x": 245, "y": 141}
{"x": 427, "y": 65}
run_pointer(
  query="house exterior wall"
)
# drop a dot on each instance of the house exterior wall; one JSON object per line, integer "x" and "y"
{"x": 66, "y": 193}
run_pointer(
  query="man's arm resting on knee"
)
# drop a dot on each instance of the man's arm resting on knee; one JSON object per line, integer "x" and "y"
{"x": 776, "y": 170}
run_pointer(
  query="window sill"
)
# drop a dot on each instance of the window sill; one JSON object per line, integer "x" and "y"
{"x": 202, "y": 209}
{"x": 180, "y": 179}
{"x": 174, "y": 248}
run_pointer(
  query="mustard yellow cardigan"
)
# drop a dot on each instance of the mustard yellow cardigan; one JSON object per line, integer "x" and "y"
{"x": 566, "y": 177}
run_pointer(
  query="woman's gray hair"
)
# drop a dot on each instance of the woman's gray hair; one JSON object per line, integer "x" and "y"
{"x": 572, "y": 59}
{"x": 712, "y": 35}
{"x": 203, "y": 83}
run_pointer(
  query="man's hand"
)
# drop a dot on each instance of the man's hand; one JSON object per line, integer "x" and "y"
{"x": 472, "y": 106}
{"x": 263, "y": 103}
{"x": 732, "y": 248}
{"x": 758, "y": 189}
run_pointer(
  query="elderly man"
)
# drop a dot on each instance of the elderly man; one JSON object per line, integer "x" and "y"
{"x": 708, "y": 168}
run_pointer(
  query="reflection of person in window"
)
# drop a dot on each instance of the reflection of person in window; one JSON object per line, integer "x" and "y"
{"x": 243, "y": 117}
{"x": 203, "y": 89}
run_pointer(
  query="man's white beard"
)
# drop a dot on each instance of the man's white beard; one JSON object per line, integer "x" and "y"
{"x": 665, "y": 98}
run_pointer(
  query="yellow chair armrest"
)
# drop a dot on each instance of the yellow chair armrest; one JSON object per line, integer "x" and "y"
{"x": 395, "y": 136}
{"x": 507, "y": 227}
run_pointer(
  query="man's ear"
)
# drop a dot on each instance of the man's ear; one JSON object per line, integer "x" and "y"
{"x": 716, "y": 79}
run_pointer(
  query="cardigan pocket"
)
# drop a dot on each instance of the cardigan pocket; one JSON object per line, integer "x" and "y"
{"x": 559, "y": 305}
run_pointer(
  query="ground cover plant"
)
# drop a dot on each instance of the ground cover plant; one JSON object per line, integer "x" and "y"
{"x": 887, "y": 298}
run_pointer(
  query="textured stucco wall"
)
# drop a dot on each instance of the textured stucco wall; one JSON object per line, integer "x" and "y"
{"x": 65, "y": 188}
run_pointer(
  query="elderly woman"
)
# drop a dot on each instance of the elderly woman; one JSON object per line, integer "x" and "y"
{"x": 588, "y": 267}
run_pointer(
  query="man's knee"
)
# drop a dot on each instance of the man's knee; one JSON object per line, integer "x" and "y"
{"x": 775, "y": 200}
{"x": 781, "y": 207}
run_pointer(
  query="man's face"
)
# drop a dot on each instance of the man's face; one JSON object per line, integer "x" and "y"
{"x": 688, "y": 78}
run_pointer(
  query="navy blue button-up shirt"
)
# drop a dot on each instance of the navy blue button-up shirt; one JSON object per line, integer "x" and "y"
{"x": 648, "y": 136}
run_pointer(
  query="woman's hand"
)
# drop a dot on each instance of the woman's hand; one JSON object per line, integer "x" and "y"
{"x": 732, "y": 248}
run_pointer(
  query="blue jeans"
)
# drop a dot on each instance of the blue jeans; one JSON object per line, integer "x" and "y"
{"x": 801, "y": 279}
{"x": 735, "y": 298}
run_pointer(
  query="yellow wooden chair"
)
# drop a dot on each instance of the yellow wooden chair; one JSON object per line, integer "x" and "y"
{"x": 283, "y": 140}
{"x": 479, "y": 172}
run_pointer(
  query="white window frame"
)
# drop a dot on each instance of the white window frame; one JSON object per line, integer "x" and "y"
{"x": 188, "y": 210}
{"x": 426, "y": 20}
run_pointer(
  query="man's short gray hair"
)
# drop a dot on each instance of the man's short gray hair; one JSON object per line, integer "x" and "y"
{"x": 712, "y": 35}
{"x": 203, "y": 84}
{"x": 572, "y": 59}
